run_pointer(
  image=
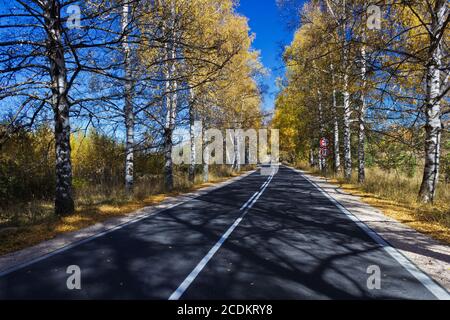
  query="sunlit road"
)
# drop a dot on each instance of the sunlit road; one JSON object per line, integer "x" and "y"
{"x": 262, "y": 237}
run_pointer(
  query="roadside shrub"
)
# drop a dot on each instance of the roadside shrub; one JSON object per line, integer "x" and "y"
{"x": 26, "y": 166}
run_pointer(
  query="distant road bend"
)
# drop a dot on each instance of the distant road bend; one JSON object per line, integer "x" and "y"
{"x": 261, "y": 237}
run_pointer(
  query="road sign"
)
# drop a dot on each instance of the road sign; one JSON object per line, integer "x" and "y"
{"x": 324, "y": 142}
{"x": 324, "y": 152}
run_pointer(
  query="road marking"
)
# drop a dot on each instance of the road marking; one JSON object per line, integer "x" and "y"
{"x": 423, "y": 278}
{"x": 115, "y": 228}
{"x": 194, "y": 273}
{"x": 248, "y": 201}
{"x": 264, "y": 184}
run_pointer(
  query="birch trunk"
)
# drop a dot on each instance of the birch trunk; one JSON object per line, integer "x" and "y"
{"x": 192, "y": 136}
{"x": 64, "y": 204}
{"x": 347, "y": 109}
{"x": 206, "y": 170}
{"x": 168, "y": 135}
{"x": 361, "y": 121}
{"x": 347, "y": 131}
{"x": 322, "y": 162}
{"x": 337, "y": 156}
{"x": 237, "y": 154}
{"x": 128, "y": 106}
{"x": 205, "y": 158}
{"x": 433, "y": 113}
{"x": 171, "y": 103}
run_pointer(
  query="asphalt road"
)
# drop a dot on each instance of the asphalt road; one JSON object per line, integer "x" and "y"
{"x": 261, "y": 237}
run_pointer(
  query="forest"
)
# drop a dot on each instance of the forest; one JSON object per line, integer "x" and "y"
{"x": 224, "y": 150}
{"x": 373, "y": 79}
{"x": 94, "y": 96}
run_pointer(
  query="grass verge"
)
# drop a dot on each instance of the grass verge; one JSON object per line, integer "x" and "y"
{"x": 34, "y": 222}
{"x": 396, "y": 196}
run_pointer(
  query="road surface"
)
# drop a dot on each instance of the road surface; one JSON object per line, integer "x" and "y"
{"x": 262, "y": 237}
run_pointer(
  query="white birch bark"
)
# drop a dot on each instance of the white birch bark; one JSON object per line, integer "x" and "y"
{"x": 433, "y": 112}
{"x": 237, "y": 154}
{"x": 64, "y": 204}
{"x": 337, "y": 156}
{"x": 322, "y": 160}
{"x": 192, "y": 136}
{"x": 361, "y": 120}
{"x": 170, "y": 102}
{"x": 128, "y": 106}
{"x": 347, "y": 107}
{"x": 347, "y": 131}
{"x": 205, "y": 156}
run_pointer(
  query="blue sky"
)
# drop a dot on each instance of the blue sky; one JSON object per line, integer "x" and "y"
{"x": 266, "y": 22}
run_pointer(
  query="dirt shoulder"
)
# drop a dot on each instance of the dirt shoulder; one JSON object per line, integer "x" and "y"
{"x": 51, "y": 242}
{"x": 430, "y": 255}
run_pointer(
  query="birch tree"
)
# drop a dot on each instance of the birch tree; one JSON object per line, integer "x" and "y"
{"x": 435, "y": 90}
{"x": 417, "y": 52}
{"x": 64, "y": 203}
{"x": 396, "y": 78}
{"x": 128, "y": 104}
{"x": 43, "y": 79}
{"x": 361, "y": 120}
{"x": 42, "y": 72}
{"x": 336, "y": 146}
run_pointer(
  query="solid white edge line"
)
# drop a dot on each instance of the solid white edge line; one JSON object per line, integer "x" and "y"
{"x": 118, "y": 227}
{"x": 438, "y": 291}
{"x": 199, "y": 267}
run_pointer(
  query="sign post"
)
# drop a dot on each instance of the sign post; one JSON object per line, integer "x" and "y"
{"x": 324, "y": 152}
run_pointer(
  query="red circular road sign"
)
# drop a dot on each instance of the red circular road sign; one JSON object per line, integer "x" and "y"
{"x": 324, "y": 142}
